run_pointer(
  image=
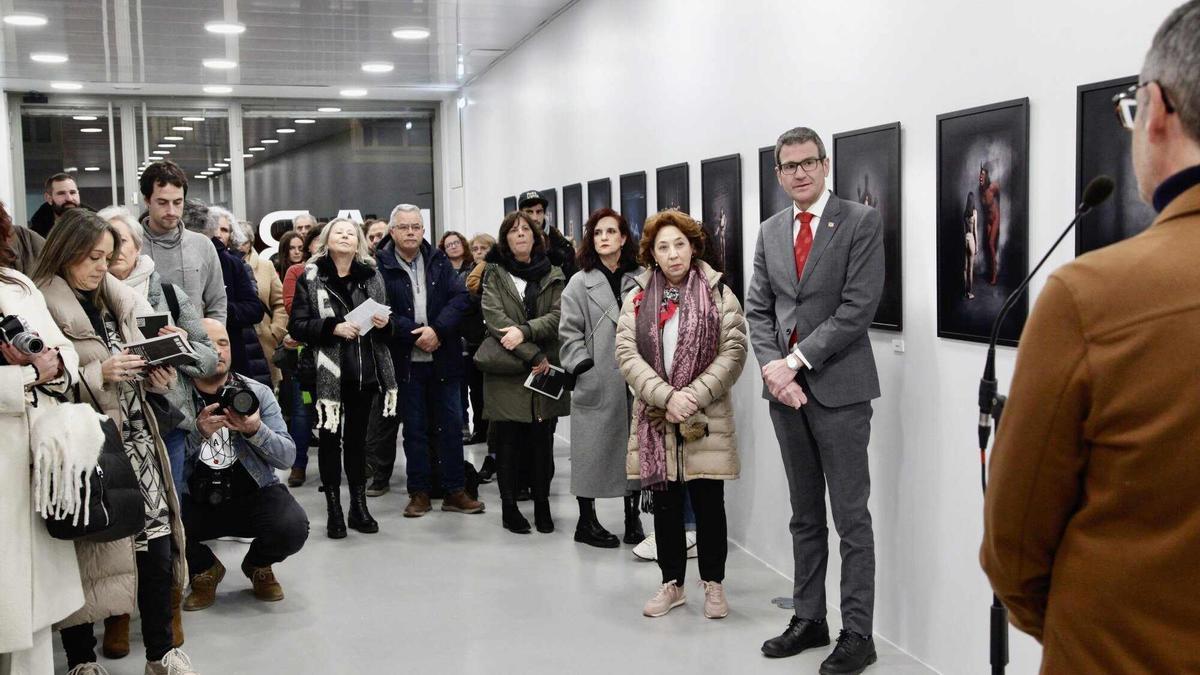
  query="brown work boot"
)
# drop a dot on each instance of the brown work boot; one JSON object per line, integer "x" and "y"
{"x": 418, "y": 505}
{"x": 176, "y": 616}
{"x": 296, "y": 478}
{"x": 116, "y": 636}
{"x": 204, "y": 587}
{"x": 459, "y": 502}
{"x": 266, "y": 587}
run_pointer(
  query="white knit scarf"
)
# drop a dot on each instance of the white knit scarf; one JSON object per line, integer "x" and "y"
{"x": 65, "y": 441}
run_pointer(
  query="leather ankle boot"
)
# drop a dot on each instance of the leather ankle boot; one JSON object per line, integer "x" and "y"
{"x": 116, "y": 637}
{"x": 512, "y": 519}
{"x": 634, "y": 534}
{"x": 177, "y": 616}
{"x": 336, "y": 527}
{"x": 359, "y": 517}
{"x": 589, "y": 530}
{"x": 541, "y": 516}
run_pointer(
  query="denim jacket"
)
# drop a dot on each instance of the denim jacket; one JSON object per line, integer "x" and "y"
{"x": 269, "y": 449}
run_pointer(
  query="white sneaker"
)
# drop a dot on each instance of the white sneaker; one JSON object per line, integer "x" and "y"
{"x": 175, "y": 662}
{"x": 88, "y": 669}
{"x": 647, "y": 550}
{"x": 690, "y": 537}
{"x": 667, "y": 597}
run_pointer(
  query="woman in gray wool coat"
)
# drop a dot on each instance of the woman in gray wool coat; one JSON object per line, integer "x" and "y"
{"x": 591, "y": 305}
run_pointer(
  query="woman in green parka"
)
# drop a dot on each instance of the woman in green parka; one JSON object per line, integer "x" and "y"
{"x": 521, "y": 295}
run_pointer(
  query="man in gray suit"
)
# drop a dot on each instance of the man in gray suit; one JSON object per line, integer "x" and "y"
{"x": 818, "y": 276}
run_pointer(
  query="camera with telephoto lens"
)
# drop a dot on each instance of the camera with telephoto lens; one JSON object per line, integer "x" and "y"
{"x": 17, "y": 333}
{"x": 211, "y": 486}
{"x": 237, "y": 396}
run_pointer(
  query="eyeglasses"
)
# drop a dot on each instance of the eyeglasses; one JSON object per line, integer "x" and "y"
{"x": 809, "y": 165}
{"x": 1127, "y": 106}
{"x": 407, "y": 226}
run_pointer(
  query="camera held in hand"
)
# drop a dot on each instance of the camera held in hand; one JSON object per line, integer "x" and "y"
{"x": 237, "y": 396}
{"x": 14, "y": 331}
{"x": 211, "y": 486}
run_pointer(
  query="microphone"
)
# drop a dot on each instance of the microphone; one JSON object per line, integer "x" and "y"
{"x": 1097, "y": 191}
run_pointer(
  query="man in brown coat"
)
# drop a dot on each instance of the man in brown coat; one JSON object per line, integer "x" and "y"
{"x": 1092, "y": 531}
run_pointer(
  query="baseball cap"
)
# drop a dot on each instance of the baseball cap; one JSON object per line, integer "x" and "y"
{"x": 529, "y": 197}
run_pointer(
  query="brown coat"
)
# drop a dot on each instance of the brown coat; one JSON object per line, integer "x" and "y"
{"x": 108, "y": 571}
{"x": 714, "y": 455}
{"x": 273, "y": 327}
{"x": 1092, "y": 526}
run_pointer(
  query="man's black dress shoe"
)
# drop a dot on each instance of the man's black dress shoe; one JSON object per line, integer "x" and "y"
{"x": 851, "y": 656}
{"x": 800, "y": 634}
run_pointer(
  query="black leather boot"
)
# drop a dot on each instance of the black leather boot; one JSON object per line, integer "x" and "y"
{"x": 589, "y": 530}
{"x": 336, "y": 528}
{"x": 541, "y": 516}
{"x": 512, "y": 519}
{"x": 360, "y": 518}
{"x": 634, "y": 534}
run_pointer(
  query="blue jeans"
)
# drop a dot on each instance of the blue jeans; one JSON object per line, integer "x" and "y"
{"x": 176, "y": 442}
{"x": 299, "y": 425}
{"x": 428, "y": 397}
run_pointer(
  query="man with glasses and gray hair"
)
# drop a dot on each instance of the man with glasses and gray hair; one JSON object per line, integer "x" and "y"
{"x": 818, "y": 277}
{"x": 1092, "y": 527}
{"x": 428, "y": 301}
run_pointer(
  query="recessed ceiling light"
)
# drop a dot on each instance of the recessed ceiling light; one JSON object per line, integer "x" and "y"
{"x": 225, "y": 27}
{"x": 25, "y": 19}
{"x": 161, "y": 152}
{"x": 285, "y": 130}
{"x": 221, "y": 165}
{"x": 172, "y": 138}
{"x": 192, "y": 119}
{"x": 257, "y": 148}
{"x": 268, "y": 141}
{"x": 91, "y": 168}
{"x": 410, "y": 33}
{"x": 329, "y": 109}
{"x": 200, "y": 175}
{"x": 217, "y": 89}
{"x": 225, "y": 160}
{"x": 66, "y": 86}
{"x": 84, "y": 118}
{"x": 71, "y": 169}
{"x": 246, "y": 155}
{"x": 353, "y": 93}
{"x": 48, "y": 57}
{"x": 166, "y": 145}
{"x": 181, "y": 128}
{"x": 219, "y": 64}
{"x": 305, "y": 121}
{"x": 408, "y": 125}
{"x": 377, "y": 67}
{"x": 91, "y": 130}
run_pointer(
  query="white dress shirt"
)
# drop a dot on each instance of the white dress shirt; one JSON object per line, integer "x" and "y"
{"x": 816, "y": 209}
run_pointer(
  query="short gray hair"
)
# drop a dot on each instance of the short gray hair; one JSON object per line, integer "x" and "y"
{"x": 195, "y": 215}
{"x": 1174, "y": 61}
{"x": 797, "y": 136}
{"x": 302, "y": 216}
{"x": 247, "y": 229}
{"x": 111, "y": 213}
{"x": 405, "y": 208}
{"x": 215, "y": 213}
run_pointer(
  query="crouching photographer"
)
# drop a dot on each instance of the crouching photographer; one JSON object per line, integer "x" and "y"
{"x": 232, "y": 490}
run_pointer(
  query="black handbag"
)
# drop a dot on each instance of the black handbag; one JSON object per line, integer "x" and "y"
{"x": 493, "y": 358}
{"x": 116, "y": 508}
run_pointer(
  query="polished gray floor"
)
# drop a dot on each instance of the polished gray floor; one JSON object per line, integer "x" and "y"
{"x": 452, "y": 593}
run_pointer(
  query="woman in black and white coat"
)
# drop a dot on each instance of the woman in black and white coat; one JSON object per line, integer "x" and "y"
{"x": 352, "y": 368}
{"x": 591, "y": 305}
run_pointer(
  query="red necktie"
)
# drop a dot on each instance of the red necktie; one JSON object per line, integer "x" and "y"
{"x": 803, "y": 246}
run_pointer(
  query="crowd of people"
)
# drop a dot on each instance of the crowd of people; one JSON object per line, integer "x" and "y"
{"x": 356, "y": 333}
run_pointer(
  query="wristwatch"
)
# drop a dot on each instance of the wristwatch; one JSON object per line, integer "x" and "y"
{"x": 793, "y": 362}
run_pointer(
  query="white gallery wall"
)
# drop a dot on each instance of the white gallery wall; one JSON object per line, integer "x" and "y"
{"x": 617, "y": 86}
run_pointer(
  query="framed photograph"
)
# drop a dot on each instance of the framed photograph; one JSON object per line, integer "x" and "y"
{"x": 633, "y": 201}
{"x": 866, "y": 169}
{"x": 721, "y": 193}
{"x": 573, "y": 212}
{"x": 510, "y": 205}
{"x": 982, "y": 219}
{"x": 771, "y": 197}
{"x": 673, "y": 189}
{"x": 599, "y": 195}
{"x": 1103, "y": 147}
{"x": 551, "y": 197}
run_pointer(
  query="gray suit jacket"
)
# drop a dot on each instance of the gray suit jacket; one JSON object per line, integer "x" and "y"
{"x": 831, "y": 306}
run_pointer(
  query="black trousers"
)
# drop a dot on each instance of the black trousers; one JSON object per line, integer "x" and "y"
{"x": 270, "y": 515}
{"x": 473, "y": 384}
{"x": 712, "y": 536}
{"x": 154, "y": 579}
{"x": 528, "y": 443}
{"x": 381, "y": 442}
{"x": 348, "y": 445}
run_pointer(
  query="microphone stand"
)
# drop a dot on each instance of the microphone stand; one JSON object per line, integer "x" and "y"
{"x": 991, "y": 407}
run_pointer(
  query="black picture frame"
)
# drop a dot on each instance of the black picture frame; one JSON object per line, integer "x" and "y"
{"x": 988, "y": 143}
{"x": 859, "y": 156}
{"x": 599, "y": 195}
{"x": 510, "y": 205}
{"x": 551, "y": 197}
{"x": 633, "y": 201}
{"x": 771, "y": 196}
{"x": 572, "y": 205}
{"x": 672, "y": 187}
{"x": 1104, "y": 147}
{"x": 721, "y": 214}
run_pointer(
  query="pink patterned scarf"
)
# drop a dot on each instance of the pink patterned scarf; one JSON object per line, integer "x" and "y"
{"x": 699, "y": 334}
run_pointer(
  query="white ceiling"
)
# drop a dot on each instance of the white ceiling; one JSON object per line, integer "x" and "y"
{"x": 290, "y": 47}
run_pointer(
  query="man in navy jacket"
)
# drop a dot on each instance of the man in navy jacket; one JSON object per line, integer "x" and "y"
{"x": 428, "y": 301}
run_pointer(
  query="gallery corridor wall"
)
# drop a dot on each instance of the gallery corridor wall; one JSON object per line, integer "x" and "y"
{"x": 617, "y": 86}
